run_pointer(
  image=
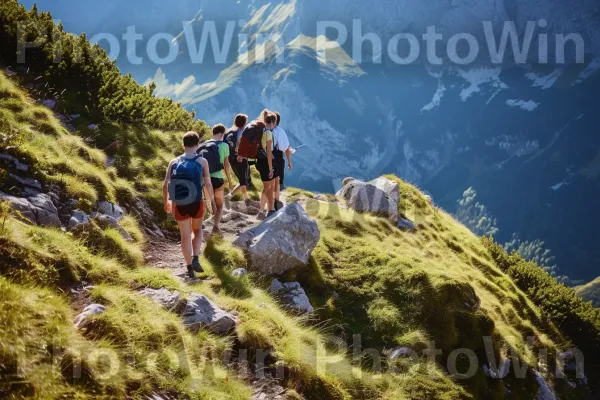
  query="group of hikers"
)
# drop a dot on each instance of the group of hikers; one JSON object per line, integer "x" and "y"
{"x": 199, "y": 174}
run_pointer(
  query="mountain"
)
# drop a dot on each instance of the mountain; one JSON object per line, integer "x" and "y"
{"x": 590, "y": 292}
{"x": 94, "y": 303}
{"x": 518, "y": 135}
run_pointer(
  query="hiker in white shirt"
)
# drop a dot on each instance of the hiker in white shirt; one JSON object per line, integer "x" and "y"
{"x": 282, "y": 146}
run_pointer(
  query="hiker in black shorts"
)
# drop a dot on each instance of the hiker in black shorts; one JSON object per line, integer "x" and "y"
{"x": 240, "y": 167}
{"x": 264, "y": 165}
{"x": 282, "y": 146}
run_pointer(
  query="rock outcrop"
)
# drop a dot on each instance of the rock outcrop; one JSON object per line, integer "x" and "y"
{"x": 281, "y": 242}
{"x": 39, "y": 208}
{"x": 379, "y": 196}
{"x": 292, "y": 294}
{"x": 169, "y": 300}
{"x": 111, "y": 210}
{"x": 200, "y": 312}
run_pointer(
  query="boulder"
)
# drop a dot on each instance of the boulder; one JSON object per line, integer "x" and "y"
{"x": 78, "y": 218}
{"x": 110, "y": 209}
{"x": 281, "y": 242}
{"x": 406, "y": 225}
{"x": 400, "y": 352}
{"x": 105, "y": 222}
{"x": 167, "y": 299}
{"x": 92, "y": 309}
{"x": 239, "y": 272}
{"x": 292, "y": 294}
{"x": 201, "y": 312}
{"x": 19, "y": 166}
{"x": 32, "y": 183}
{"x": 379, "y": 196}
{"x": 39, "y": 209}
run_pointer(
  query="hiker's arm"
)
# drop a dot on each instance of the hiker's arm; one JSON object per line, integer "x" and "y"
{"x": 166, "y": 202}
{"x": 288, "y": 154}
{"x": 228, "y": 172}
{"x": 270, "y": 157}
{"x": 208, "y": 185}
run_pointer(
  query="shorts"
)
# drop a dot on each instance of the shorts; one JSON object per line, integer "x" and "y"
{"x": 279, "y": 165}
{"x": 262, "y": 165}
{"x": 241, "y": 171}
{"x": 195, "y": 211}
{"x": 217, "y": 183}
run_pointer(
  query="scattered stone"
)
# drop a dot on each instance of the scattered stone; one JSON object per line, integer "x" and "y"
{"x": 241, "y": 207}
{"x": 500, "y": 373}
{"x": 19, "y": 166}
{"x": 39, "y": 209}
{"x": 32, "y": 183}
{"x": 232, "y": 216}
{"x": 379, "y": 196}
{"x": 106, "y": 221}
{"x": 545, "y": 392}
{"x": 281, "y": 242}
{"x": 78, "y": 218}
{"x": 75, "y": 116}
{"x": 92, "y": 309}
{"x": 238, "y": 273}
{"x": 29, "y": 192}
{"x": 49, "y": 103}
{"x": 93, "y": 126}
{"x": 400, "y": 352}
{"x": 201, "y": 312}
{"x": 167, "y": 299}
{"x": 110, "y": 209}
{"x": 406, "y": 225}
{"x": 292, "y": 294}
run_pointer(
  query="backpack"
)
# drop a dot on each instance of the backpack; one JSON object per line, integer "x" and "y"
{"x": 185, "y": 184}
{"x": 231, "y": 138}
{"x": 210, "y": 151}
{"x": 251, "y": 142}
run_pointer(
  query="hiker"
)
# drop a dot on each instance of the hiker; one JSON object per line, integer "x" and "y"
{"x": 216, "y": 153}
{"x": 240, "y": 167}
{"x": 266, "y": 167}
{"x": 186, "y": 179}
{"x": 282, "y": 146}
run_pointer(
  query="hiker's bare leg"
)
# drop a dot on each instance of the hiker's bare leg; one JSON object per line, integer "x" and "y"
{"x": 270, "y": 193}
{"x": 277, "y": 189}
{"x": 185, "y": 229}
{"x": 197, "y": 238}
{"x": 263, "y": 197}
{"x": 219, "y": 193}
{"x": 238, "y": 189}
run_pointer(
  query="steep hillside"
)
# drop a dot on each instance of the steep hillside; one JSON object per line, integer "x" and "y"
{"x": 590, "y": 291}
{"x": 394, "y": 289}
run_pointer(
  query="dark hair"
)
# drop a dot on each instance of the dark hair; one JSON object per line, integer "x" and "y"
{"x": 278, "y": 117}
{"x": 219, "y": 129}
{"x": 191, "y": 139}
{"x": 270, "y": 118}
{"x": 240, "y": 121}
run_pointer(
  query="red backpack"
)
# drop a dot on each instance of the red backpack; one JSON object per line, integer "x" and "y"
{"x": 250, "y": 143}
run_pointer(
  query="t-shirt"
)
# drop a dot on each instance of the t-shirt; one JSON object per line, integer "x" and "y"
{"x": 268, "y": 135}
{"x": 223, "y": 154}
{"x": 280, "y": 139}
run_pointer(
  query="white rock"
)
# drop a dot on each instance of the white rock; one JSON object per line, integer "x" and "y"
{"x": 201, "y": 312}
{"x": 281, "y": 242}
{"x": 292, "y": 294}
{"x": 379, "y": 196}
{"x": 110, "y": 209}
{"x": 164, "y": 297}
{"x": 401, "y": 352}
{"x": 39, "y": 209}
{"x": 239, "y": 272}
{"x": 106, "y": 221}
{"x": 406, "y": 225}
{"x": 77, "y": 218}
{"x": 92, "y": 309}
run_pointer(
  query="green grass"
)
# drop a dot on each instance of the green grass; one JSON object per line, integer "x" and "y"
{"x": 590, "y": 292}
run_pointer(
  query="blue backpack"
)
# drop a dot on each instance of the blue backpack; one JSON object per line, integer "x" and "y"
{"x": 210, "y": 151}
{"x": 185, "y": 184}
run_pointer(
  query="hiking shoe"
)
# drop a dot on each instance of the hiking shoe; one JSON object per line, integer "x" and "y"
{"x": 261, "y": 216}
{"x": 271, "y": 213}
{"x": 216, "y": 229}
{"x": 227, "y": 201}
{"x": 278, "y": 205}
{"x": 196, "y": 264}
{"x": 190, "y": 272}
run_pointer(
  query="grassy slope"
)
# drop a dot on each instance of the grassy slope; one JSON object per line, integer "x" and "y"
{"x": 365, "y": 277}
{"x": 590, "y": 291}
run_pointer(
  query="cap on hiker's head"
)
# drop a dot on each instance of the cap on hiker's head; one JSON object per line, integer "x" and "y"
{"x": 191, "y": 139}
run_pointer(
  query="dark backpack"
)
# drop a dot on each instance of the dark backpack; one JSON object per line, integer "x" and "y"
{"x": 231, "y": 138}
{"x": 210, "y": 151}
{"x": 185, "y": 183}
{"x": 250, "y": 144}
